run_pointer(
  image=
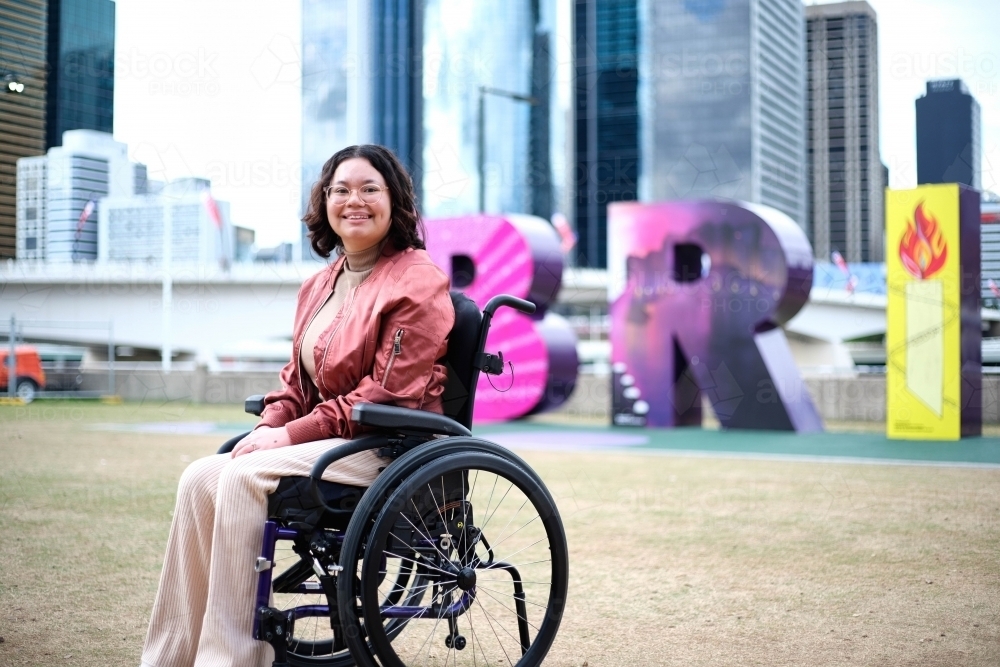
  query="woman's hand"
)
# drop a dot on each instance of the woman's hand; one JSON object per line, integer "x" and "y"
{"x": 264, "y": 437}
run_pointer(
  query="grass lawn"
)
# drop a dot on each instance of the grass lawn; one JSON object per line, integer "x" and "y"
{"x": 674, "y": 560}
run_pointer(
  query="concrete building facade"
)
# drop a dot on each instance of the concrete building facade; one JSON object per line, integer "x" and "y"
{"x": 844, "y": 167}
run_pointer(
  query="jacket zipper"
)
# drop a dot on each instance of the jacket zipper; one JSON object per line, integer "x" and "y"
{"x": 396, "y": 349}
{"x": 298, "y": 356}
{"x": 344, "y": 309}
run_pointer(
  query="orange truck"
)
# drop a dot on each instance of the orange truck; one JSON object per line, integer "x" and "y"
{"x": 29, "y": 376}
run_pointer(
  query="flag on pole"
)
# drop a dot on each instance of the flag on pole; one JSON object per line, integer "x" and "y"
{"x": 87, "y": 210}
{"x": 838, "y": 259}
{"x": 566, "y": 235}
{"x": 852, "y": 280}
{"x": 212, "y": 208}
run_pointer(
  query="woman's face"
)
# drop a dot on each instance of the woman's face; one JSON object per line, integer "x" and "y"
{"x": 358, "y": 212}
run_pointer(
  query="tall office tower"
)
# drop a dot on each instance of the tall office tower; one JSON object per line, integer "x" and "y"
{"x": 22, "y": 114}
{"x": 845, "y": 172}
{"x": 949, "y": 139}
{"x": 361, "y": 82}
{"x": 59, "y": 193}
{"x": 81, "y": 57}
{"x": 397, "y": 79}
{"x": 606, "y": 123}
{"x": 546, "y": 123}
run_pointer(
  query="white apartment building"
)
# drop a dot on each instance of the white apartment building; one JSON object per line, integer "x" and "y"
{"x": 134, "y": 229}
{"x": 54, "y": 189}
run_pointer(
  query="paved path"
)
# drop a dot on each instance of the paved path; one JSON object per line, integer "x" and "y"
{"x": 836, "y": 447}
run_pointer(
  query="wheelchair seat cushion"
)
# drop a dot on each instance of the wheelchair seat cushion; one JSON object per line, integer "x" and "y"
{"x": 293, "y": 504}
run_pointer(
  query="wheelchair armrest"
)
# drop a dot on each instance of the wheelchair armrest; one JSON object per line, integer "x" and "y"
{"x": 228, "y": 445}
{"x": 404, "y": 419}
{"x": 254, "y": 405}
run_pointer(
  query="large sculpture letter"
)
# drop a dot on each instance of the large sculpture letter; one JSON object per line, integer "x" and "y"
{"x": 698, "y": 290}
{"x": 518, "y": 255}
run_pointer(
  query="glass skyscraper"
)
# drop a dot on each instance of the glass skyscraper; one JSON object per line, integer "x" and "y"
{"x": 606, "y": 128}
{"x": 361, "y": 82}
{"x": 468, "y": 45}
{"x": 949, "y": 140}
{"x": 407, "y": 74}
{"x": 81, "y": 57}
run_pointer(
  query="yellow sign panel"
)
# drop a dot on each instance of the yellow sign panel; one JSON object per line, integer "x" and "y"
{"x": 923, "y": 324}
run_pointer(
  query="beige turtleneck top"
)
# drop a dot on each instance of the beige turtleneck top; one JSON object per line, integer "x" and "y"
{"x": 356, "y": 268}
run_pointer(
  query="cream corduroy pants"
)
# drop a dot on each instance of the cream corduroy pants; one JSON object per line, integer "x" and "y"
{"x": 203, "y": 614}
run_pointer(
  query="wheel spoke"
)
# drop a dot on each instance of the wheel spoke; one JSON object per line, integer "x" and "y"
{"x": 478, "y": 588}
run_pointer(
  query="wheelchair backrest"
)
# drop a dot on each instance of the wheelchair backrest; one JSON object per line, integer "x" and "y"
{"x": 463, "y": 375}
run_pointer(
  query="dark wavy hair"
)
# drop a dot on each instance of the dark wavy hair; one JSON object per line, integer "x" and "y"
{"x": 406, "y": 230}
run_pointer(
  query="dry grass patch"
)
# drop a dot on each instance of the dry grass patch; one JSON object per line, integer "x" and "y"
{"x": 674, "y": 561}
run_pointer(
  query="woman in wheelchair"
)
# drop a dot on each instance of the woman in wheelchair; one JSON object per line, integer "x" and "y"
{"x": 409, "y": 541}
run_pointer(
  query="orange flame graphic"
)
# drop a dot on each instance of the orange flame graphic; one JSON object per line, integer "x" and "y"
{"x": 923, "y": 248}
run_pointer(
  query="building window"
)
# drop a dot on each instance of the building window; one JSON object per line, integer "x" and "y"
{"x": 30, "y": 243}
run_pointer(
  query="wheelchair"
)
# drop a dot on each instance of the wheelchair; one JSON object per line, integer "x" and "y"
{"x": 456, "y": 554}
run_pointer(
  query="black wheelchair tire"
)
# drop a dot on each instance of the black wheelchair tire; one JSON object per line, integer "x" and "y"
{"x": 380, "y": 640}
{"x": 372, "y": 503}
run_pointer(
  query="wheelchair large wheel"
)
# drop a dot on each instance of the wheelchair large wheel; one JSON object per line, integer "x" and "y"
{"x": 371, "y": 504}
{"x": 487, "y": 541}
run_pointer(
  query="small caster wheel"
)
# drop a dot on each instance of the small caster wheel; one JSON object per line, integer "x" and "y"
{"x": 459, "y": 643}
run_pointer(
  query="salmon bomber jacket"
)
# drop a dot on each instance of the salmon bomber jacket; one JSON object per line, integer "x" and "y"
{"x": 386, "y": 345}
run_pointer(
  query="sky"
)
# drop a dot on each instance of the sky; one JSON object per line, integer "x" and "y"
{"x": 211, "y": 89}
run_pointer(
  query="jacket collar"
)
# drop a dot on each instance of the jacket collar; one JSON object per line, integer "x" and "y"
{"x": 388, "y": 253}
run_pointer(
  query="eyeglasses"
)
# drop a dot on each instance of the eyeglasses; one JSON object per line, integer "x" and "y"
{"x": 369, "y": 193}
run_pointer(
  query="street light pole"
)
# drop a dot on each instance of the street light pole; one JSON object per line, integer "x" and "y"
{"x": 481, "y": 123}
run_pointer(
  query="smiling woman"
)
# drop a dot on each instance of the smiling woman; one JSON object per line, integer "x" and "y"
{"x": 363, "y": 195}
{"x": 384, "y": 289}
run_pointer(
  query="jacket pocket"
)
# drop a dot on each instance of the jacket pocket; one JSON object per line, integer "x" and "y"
{"x": 397, "y": 347}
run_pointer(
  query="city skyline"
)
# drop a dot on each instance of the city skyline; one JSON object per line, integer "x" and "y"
{"x": 225, "y": 105}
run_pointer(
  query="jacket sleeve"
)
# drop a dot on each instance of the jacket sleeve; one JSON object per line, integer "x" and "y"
{"x": 413, "y": 336}
{"x": 288, "y": 403}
